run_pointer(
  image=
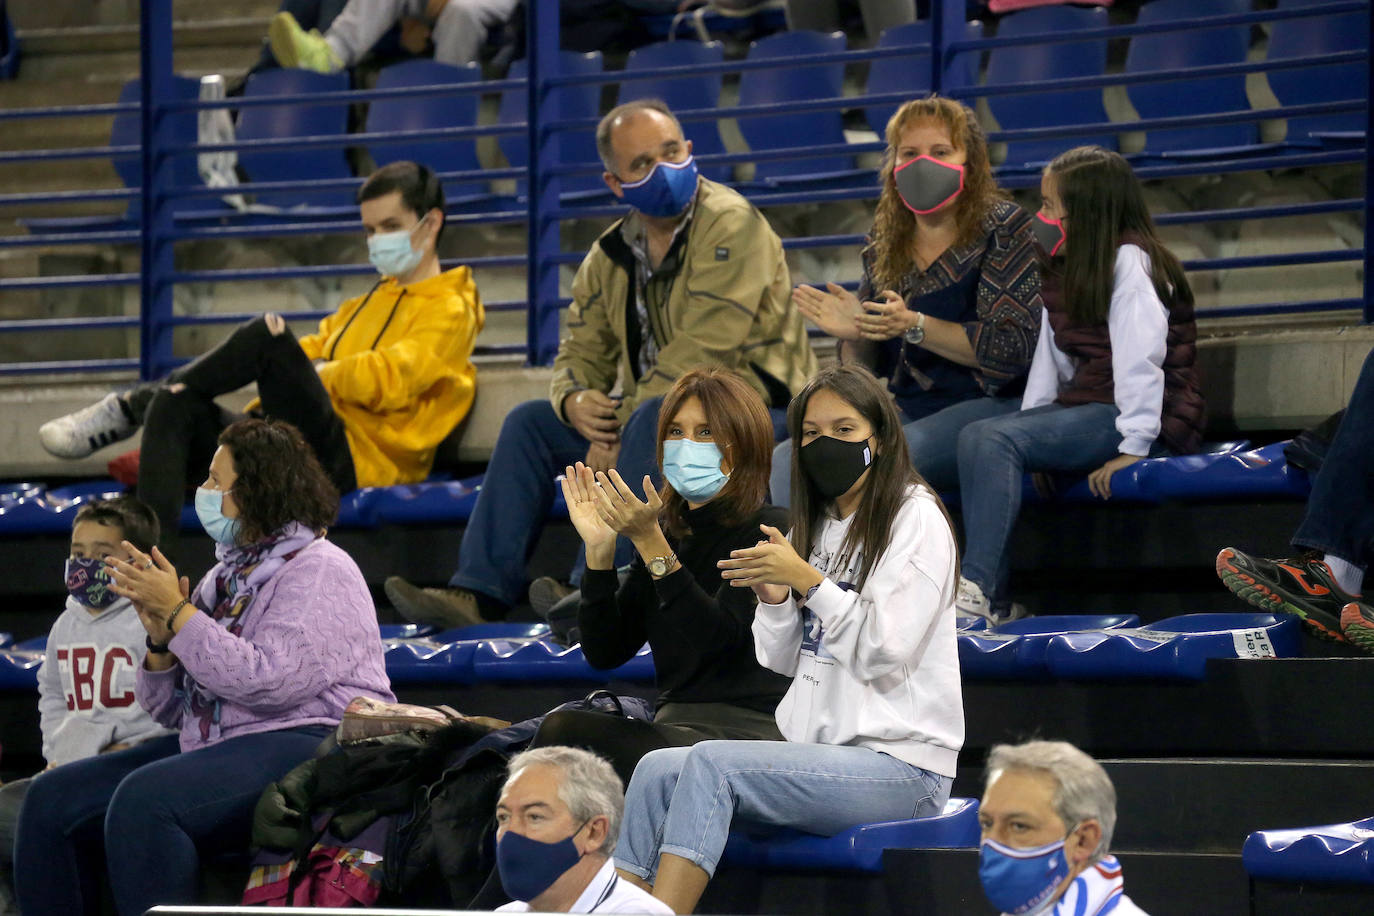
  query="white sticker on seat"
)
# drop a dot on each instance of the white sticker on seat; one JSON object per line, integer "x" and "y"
{"x": 1252, "y": 644}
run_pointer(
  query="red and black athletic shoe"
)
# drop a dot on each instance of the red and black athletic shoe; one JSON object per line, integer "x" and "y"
{"x": 1357, "y": 622}
{"x": 1302, "y": 586}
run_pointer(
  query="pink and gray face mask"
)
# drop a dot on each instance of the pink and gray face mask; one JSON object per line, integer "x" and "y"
{"x": 1049, "y": 233}
{"x": 927, "y": 184}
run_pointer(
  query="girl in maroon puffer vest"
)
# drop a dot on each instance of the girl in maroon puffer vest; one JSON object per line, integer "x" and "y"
{"x": 1113, "y": 379}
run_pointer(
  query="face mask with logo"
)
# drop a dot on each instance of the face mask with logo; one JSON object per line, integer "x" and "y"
{"x": 834, "y": 465}
{"x": 391, "y": 254}
{"x": 529, "y": 867}
{"x": 666, "y": 190}
{"x": 1049, "y": 233}
{"x": 1021, "y": 882}
{"x": 927, "y": 184}
{"x": 693, "y": 469}
{"x": 89, "y": 582}
{"x": 210, "y": 511}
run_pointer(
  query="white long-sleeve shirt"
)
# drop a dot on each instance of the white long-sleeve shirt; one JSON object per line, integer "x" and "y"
{"x": 1138, "y": 324}
{"x": 877, "y": 667}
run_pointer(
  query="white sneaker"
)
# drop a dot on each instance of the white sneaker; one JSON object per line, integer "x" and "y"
{"x": 87, "y": 430}
{"x": 971, "y": 602}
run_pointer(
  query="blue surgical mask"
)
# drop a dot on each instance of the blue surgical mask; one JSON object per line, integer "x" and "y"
{"x": 88, "y": 582}
{"x": 693, "y": 469}
{"x": 529, "y": 867}
{"x": 666, "y": 190}
{"x": 1021, "y": 881}
{"x": 391, "y": 254}
{"x": 210, "y": 511}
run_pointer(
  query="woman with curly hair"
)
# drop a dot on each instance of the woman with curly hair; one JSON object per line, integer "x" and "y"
{"x": 948, "y": 309}
{"x": 253, "y": 667}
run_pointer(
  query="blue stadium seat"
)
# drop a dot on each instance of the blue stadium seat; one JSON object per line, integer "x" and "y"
{"x": 858, "y": 848}
{"x": 681, "y": 93}
{"x": 427, "y": 112}
{"x": 791, "y": 83}
{"x": 576, "y": 147}
{"x": 1319, "y": 35}
{"x": 1333, "y": 854}
{"x": 1176, "y": 648}
{"x": 524, "y": 660}
{"x": 1184, "y": 50}
{"x": 9, "y": 47}
{"x": 1017, "y": 649}
{"x": 910, "y": 73}
{"x": 19, "y": 664}
{"x": 127, "y": 130}
{"x": 1034, "y": 63}
{"x": 275, "y": 122}
{"x": 426, "y": 660}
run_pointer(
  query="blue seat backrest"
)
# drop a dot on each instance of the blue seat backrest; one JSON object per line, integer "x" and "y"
{"x": 1314, "y": 36}
{"x": 1045, "y": 61}
{"x": 426, "y": 112}
{"x": 127, "y": 130}
{"x": 581, "y": 100}
{"x": 681, "y": 93}
{"x": 910, "y": 74}
{"x": 1332, "y": 853}
{"x": 1183, "y": 50}
{"x": 792, "y": 83}
{"x": 295, "y": 120}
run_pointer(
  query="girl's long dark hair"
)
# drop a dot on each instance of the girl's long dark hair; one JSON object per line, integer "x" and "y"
{"x": 1103, "y": 202}
{"x": 888, "y": 476}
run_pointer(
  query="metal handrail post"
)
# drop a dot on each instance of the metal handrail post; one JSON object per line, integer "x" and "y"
{"x": 545, "y": 185}
{"x": 156, "y": 261}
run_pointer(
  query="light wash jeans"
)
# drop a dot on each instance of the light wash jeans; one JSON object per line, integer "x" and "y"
{"x": 994, "y": 456}
{"x": 458, "y": 33}
{"x": 682, "y": 799}
{"x": 932, "y": 441}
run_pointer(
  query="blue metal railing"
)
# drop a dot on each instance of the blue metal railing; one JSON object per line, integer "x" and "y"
{"x": 164, "y": 222}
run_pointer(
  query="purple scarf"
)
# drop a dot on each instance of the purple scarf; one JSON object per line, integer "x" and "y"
{"x": 244, "y": 569}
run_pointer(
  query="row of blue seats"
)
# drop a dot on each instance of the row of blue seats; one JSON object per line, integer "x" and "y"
{"x": 905, "y": 74}
{"x": 1228, "y": 471}
{"x": 1084, "y": 647}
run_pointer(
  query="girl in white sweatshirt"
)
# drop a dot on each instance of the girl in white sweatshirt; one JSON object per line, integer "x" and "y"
{"x": 864, "y": 626}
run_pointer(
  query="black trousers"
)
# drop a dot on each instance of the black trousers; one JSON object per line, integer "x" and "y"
{"x": 181, "y": 430}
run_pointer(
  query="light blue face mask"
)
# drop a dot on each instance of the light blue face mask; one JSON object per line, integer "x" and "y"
{"x": 693, "y": 469}
{"x": 391, "y": 254}
{"x": 210, "y": 511}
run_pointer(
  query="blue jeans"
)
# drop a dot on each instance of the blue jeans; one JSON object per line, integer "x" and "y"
{"x": 1340, "y": 509}
{"x": 682, "y": 799}
{"x": 161, "y": 809}
{"x": 518, "y": 491}
{"x": 932, "y": 441}
{"x": 995, "y": 454}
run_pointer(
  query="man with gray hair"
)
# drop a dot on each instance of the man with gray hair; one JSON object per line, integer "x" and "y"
{"x": 557, "y": 822}
{"x": 693, "y": 276}
{"x": 1047, "y": 816}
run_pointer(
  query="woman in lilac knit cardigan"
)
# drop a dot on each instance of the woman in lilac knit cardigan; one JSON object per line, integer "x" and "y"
{"x": 254, "y": 668}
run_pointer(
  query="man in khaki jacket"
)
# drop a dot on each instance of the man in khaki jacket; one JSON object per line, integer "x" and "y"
{"x": 692, "y": 276}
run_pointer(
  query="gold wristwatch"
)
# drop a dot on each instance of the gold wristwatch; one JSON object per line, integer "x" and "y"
{"x": 661, "y": 566}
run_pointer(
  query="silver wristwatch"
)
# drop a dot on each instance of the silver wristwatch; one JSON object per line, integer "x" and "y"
{"x": 661, "y": 566}
{"x": 915, "y": 336}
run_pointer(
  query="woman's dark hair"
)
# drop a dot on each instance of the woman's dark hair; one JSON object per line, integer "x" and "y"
{"x": 279, "y": 480}
{"x": 888, "y": 476}
{"x": 740, "y": 427}
{"x": 1103, "y": 202}
{"x": 133, "y": 516}
{"x": 420, "y": 189}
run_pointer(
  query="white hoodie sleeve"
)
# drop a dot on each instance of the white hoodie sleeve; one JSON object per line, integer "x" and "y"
{"x": 52, "y": 705}
{"x": 778, "y": 635}
{"x": 1049, "y": 369}
{"x": 1139, "y": 327}
{"x": 886, "y": 625}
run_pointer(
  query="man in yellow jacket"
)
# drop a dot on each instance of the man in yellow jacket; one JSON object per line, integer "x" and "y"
{"x": 374, "y": 391}
{"x": 693, "y": 276}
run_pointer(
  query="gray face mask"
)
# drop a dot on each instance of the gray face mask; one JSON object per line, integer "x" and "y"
{"x": 1049, "y": 234}
{"x": 926, "y": 184}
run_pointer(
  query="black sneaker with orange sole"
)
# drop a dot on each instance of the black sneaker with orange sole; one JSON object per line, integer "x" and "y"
{"x": 1304, "y": 586}
{"x": 1357, "y": 622}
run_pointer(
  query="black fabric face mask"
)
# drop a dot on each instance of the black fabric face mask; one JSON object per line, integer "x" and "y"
{"x": 833, "y": 465}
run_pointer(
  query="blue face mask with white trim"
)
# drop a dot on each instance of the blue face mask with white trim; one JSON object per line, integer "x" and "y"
{"x": 665, "y": 191}
{"x": 1020, "y": 882}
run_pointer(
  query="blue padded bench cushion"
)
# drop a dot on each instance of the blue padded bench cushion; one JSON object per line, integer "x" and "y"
{"x": 1174, "y": 648}
{"x": 420, "y": 655}
{"x": 501, "y": 660}
{"x": 1335, "y": 853}
{"x": 1017, "y": 649}
{"x": 858, "y": 848}
{"x": 19, "y": 664}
